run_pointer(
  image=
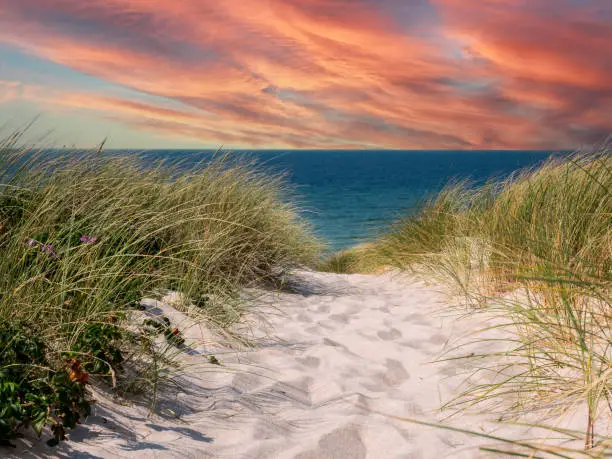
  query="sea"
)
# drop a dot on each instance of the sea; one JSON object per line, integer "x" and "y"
{"x": 351, "y": 196}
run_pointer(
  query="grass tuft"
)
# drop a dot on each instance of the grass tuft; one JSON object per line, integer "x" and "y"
{"x": 85, "y": 236}
{"x": 358, "y": 259}
{"x": 536, "y": 251}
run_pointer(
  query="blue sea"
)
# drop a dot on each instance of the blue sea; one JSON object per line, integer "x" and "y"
{"x": 349, "y": 196}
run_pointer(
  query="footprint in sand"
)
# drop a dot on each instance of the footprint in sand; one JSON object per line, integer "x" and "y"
{"x": 341, "y": 443}
{"x": 438, "y": 339}
{"x": 341, "y": 318}
{"x": 389, "y": 335}
{"x": 417, "y": 319}
{"x": 310, "y": 362}
{"x": 304, "y": 318}
{"x": 396, "y": 373}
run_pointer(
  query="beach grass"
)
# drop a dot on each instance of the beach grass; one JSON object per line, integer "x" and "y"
{"x": 360, "y": 259}
{"x": 534, "y": 250}
{"x": 84, "y": 236}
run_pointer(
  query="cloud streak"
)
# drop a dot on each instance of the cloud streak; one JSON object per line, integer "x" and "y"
{"x": 9, "y": 90}
{"x": 335, "y": 73}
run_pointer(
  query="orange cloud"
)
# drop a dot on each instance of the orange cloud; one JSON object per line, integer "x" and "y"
{"x": 332, "y": 73}
{"x": 9, "y": 90}
{"x": 551, "y": 58}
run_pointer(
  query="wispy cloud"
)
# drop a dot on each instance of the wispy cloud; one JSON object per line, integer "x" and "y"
{"x": 334, "y": 73}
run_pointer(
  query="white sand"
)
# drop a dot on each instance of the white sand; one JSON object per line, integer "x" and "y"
{"x": 328, "y": 359}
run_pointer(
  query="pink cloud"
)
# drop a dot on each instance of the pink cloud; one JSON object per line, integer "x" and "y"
{"x": 551, "y": 58}
{"x": 324, "y": 73}
{"x": 9, "y": 90}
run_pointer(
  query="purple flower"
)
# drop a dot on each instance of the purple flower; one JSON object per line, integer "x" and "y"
{"x": 48, "y": 248}
{"x": 88, "y": 239}
{"x": 32, "y": 243}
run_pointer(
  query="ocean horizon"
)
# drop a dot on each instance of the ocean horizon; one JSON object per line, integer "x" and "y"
{"x": 350, "y": 196}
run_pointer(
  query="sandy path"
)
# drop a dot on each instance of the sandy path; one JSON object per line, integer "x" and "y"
{"x": 328, "y": 355}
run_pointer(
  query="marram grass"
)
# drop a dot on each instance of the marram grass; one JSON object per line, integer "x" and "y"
{"x": 359, "y": 259}
{"x": 84, "y": 237}
{"x": 536, "y": 251}
{"x": 111, "y": 221}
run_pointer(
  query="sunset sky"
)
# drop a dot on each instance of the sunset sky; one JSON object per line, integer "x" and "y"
{"x": 432, "y": 74}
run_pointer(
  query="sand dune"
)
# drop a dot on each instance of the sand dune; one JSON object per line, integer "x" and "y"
{"x": 332, "y": 359}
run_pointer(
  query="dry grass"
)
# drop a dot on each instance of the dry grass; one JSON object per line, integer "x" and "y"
{"x": 85, "y": 236}
{"x": 536, "y": 251}
{"x": 359, "y": 259}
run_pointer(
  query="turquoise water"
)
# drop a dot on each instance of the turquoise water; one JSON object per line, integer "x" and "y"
{"x": 350, "y": 195}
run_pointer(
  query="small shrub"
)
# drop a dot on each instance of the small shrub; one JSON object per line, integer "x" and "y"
{"x": 162, "y": 326}
{"x": 98, "y": 348}
{"x": 32, "y": 394}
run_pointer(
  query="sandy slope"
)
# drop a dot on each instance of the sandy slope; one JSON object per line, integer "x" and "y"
{"x": 328, "y": 357}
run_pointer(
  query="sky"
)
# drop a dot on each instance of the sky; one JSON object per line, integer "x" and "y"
{"x": 406, "y": 74}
